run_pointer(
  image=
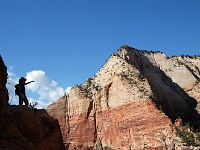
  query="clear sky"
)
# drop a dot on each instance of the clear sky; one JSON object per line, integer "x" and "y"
{"x": 61, "y": 43}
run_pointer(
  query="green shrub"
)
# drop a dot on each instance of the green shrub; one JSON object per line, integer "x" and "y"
{"x": 188, "y": 135}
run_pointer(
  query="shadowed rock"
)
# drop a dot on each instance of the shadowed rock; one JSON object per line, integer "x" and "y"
{"x": 3, "y": 80}
{"x": 21, "y": 128}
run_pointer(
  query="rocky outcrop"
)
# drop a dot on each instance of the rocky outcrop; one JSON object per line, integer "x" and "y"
{"x": 3, "y": 80}
{"x": 131, "y": 102}
{"x": 21, "y": 128}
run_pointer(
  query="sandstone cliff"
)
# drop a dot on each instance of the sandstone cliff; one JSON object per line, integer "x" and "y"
{"x": 131, "y": 102}
{"x": 22, "y": 128}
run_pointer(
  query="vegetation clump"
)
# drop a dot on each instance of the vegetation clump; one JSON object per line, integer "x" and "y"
{"x": 189, "y": 136}
{"x": 88, "y": 87}
{"x": 33, "y": 105}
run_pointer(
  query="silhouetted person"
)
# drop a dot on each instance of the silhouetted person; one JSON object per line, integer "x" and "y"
{"x": 21, "y": 91}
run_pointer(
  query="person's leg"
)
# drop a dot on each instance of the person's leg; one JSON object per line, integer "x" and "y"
{"x": 26, "y": 100}
{"x": 20, "y": 100}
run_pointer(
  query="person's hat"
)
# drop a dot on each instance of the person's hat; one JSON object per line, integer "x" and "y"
{"x": 22, "y": 79}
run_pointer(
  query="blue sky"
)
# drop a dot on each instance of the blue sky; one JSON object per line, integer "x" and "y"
{"x": 65, "y": 42}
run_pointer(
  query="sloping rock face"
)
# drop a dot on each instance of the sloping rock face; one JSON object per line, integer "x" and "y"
{"x": 3, "y": 80}
{"x": 60, "y": 108}
{"x": 21, "y": 128}
{"x": 131, "y": 102}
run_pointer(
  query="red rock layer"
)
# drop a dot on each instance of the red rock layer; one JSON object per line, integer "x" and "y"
{"x": 137, "y": 125}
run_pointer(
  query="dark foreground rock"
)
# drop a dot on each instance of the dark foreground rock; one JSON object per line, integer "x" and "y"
{"x": 21, "y": 128}
{"x": 3, "y": 80}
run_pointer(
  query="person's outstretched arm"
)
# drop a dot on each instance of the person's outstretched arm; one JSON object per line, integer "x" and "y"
{"x": 28, "y": 82}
